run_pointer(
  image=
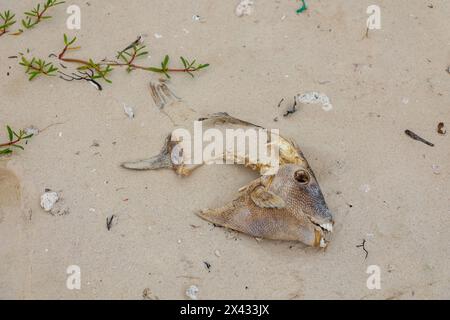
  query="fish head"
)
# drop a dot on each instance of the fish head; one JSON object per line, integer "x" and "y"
{"x": 298, "y": 187}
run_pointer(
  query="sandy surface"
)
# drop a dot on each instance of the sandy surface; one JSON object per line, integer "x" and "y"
{"x": 378, "y": 182}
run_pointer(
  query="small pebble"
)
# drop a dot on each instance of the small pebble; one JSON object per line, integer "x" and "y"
{"x": 192, "y": 292}
{"x": 244, "y": 8}
{"x": 441, "y": 128}
{"x": 436, "y": 169}
{"x": 314, "y": 98}
{"x": 95, "y": 143}
{"x": 48, "y": 200}
{"x": 129, "y": 111}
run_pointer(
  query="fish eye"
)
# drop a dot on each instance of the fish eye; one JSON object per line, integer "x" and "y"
{"x": 302, "y": 176}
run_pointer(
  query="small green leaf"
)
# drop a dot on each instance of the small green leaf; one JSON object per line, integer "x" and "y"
{"x": 73, "y": 40}
{"x": 5, "y": 151}
{"x": 10, "y": 133}
{"x": 33, "y": 75}
{"x": 165, "y": 62}
{"x": 183, "y": 60}
{"x": 203, "y": 66}
{"x": 141, "y": 54}
{"x": 17, "y": 146}
{"x": 153, "y": 69}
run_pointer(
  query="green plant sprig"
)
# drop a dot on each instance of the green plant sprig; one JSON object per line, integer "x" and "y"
{"x": 128, "y": 56}
{"x": 37, "y": 14}
{"x": 189, "y": 67}
{"x": 7, "y": 20}
{"x": 100, "y": 70}
{"x": 36, "y": 67}
{"x": 127, "y": 59}
{"x": 14, "y": 139}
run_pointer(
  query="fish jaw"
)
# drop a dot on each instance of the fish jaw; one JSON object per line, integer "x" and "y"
{"x": 323, "y": 231}
{"x": 325, "y": 222}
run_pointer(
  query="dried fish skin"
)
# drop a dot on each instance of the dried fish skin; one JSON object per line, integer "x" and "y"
{"x": 286, "y": 206}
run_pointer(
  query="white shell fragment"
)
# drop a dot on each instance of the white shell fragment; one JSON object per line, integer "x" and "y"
{"x": 436, "y": 169}
{"x": 244, "y": 8}
{"x": 315, "y": 97}
{"x": 192, "y": 292}
{"x": 129, "y": 111}
{"x": 364, "y": 188}
{"x": 48, "y": 200}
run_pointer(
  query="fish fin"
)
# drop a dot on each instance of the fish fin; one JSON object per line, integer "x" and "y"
{"x": 162, "y": 160}
{"x": 251, "y": 220}
{"x": 153, "y": 163}
{"x": 224, "y": 117}
{"x": 266, "y": 199}
{"x": 216, "y": 216}
{"x": 224, "y": 216}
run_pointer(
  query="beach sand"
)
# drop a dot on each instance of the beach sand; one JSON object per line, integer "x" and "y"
{"x": 382, "y": 186}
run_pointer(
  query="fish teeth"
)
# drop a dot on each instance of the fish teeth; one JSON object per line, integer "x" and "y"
{"x": 327, "y": 226}
{"x": 322, "y": 243}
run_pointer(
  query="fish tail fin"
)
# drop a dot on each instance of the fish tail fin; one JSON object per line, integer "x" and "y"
{"x": 160, "y": 161}
{"x": 157, "y": 162}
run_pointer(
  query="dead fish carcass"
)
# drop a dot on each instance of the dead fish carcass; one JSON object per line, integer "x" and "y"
{"x": 287, "y": 204}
